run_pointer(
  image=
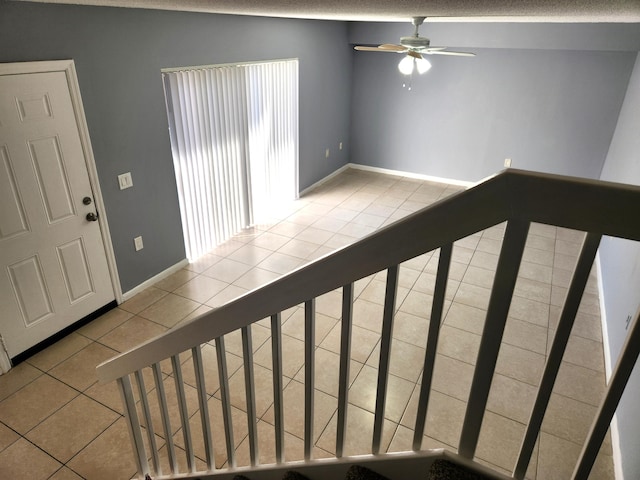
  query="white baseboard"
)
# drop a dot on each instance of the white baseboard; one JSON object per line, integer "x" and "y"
{"x": 615, "y": 433}
{"x": 324, "y": 180}
{"x": 417, "y": 176}
{"x": 148, "y": 283}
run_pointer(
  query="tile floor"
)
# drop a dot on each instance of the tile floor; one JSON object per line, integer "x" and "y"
{"x": 56, "y": 422}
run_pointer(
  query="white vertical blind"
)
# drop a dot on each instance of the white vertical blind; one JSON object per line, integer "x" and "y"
{"x": 234, "y": 139}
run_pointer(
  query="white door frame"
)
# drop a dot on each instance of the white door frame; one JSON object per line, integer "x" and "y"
{"x": 69, "y": 69}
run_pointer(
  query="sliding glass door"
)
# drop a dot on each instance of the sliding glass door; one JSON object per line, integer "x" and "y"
{"x": 234, "y": 139}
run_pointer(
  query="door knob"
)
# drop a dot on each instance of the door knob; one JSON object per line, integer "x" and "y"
{"x": 92, "y": 217}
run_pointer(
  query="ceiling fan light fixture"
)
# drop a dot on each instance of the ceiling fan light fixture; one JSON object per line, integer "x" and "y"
{"x": 410, "y": 63}
{"x": 406, "y": 65}
{"x": 423, "y": 65}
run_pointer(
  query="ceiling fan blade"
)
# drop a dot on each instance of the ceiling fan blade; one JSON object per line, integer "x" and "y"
{"x": 414, "y": 54}
{"x": 392, "y": 47}
{"x": 433, "y": 49}
{"x": 370, "y": 49}
{"x": 443, "y": 52}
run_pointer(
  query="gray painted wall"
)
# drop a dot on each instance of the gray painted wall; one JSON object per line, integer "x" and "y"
{"x": 119, "y": 54}
{"x": 548, "y": 110}
{"x": 620, "y": 261}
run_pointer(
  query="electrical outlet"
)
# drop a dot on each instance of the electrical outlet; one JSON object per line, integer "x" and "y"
{"x": 507, "y": 162}
{"x": 326, "y": 153}
{"x": 125, "y": 180}
{"x": 137, "y": 242}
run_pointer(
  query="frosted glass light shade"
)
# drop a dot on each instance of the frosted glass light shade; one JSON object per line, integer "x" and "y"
{"x": 406, "y": 65}
{"x": 423, "y": 65}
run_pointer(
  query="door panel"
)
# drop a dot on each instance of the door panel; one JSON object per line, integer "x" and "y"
{"x": 53, "y": 267}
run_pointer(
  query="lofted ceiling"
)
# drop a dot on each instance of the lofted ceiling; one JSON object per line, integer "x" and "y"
{"x": 587, "y": 11}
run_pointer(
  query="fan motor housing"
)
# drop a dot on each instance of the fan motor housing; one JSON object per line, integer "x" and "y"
{"x": 414, "y": 42}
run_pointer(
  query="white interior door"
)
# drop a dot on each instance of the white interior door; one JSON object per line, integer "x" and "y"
{"x": 53, "y": 266}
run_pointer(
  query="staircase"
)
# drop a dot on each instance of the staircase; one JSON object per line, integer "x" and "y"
{"x": 515, "y": 197}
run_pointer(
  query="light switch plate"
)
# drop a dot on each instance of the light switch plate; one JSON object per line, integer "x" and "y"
{"x": 125, "y": 180}
{"x": 138, "y": 243}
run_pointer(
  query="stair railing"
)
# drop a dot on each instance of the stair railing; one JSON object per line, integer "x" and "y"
{"x": 516, "y": 197}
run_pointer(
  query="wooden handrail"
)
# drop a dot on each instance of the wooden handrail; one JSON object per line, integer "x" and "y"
{"x": 587, "y": 205}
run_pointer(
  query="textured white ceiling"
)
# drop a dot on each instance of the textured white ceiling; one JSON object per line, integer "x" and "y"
{"x": 398, "y": 10}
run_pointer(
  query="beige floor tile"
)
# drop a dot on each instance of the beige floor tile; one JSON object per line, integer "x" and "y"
{"x": 299, "y": 248}
{"x": 105, "y": 323}
{"x": 142, "y": 300}
{"x": 375, "y": 292}
{"x": 108, "y": 395}
{"x": 484, "y": 260}
{"x": 363, "y": 342}
{"x": 534, "y": 271}
{"x": 558, "y": 458}
{"x": 541, "y": 257}
{"x": 530, "y": 311}
{"x": 65, "y": 474}
{"x": 473, "y": 296}
{"x": 363, "y": 393}
{"x": 171, "y": 398}
{"x": 259, "y": 335}
{"x": 406, "y": 360}
{"x": 417, "y": 303}
{"x": 175, "y": 280}
{"x": 567, "y": 418}
{"x": 280, "y": 263}
{"x": 541, "y": 243}
{"x": 7, "y": 436}
{"x": 131, "y": 333}
{"x": 327, "y": 371}
{"x": 201, "y": 288}
{"x": 256, "y": 277}
{"x": 452, "y": 377}
{"x": 480, "y": 277}
{"x": 584, "y": 352}
{"x": 526, "y": 335}
{"x": 533, "y": 290}
{"x": 210, "y": 368}
{"x": 359, "y": 433}
{"x": 580, "y": 383}
{"x": 169, "y": 310}
{"x": 107, "y": 457}
{"x": 292, "y": 355}
{"x": 30, "y": 405}
{"x": 59, "y": 351}
{"x": 444, "y": 419}
{"x": 83, "y": 416}
{"x": 330, "y": 304}
{"x": 227, "y": 270}
{"x": 294, "y": 405}
{"x": 263, "y": 385}
{"x": 458, "y": 344}
{"x": 24, "y": 460}
{"x": 16, "y": 378}
{"x": 466, "y": 318}
{"x": 287, "y": 229}
{"x": 206, "y": 261}
{"x": 79, "y": 370}
{"x": 270, "y": 240}
{"x": 294, "y": 326}
{"x": 511, "y": 398}
{"x": 293, "y": 447}
{"x": 411, "y": 329}
{"x": 520, "y": 364}
{"x": 500, "y": 440}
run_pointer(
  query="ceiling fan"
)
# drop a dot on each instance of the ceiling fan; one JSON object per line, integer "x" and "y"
{"x": 415, "y": 47}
